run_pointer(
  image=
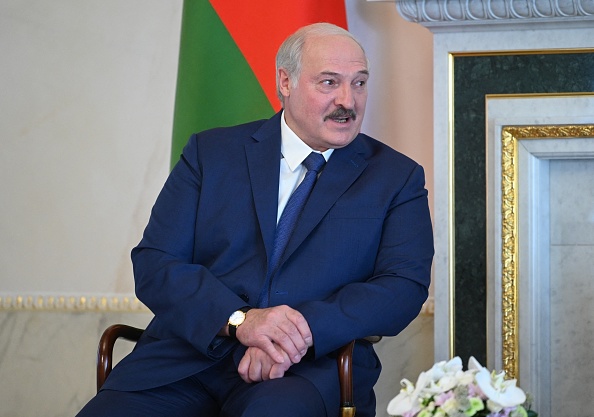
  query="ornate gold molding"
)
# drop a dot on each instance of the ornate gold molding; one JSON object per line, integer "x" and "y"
{"x": 509, "y": 229}
{"x": 41, "y": 302}
{"x": 98, "y": 303}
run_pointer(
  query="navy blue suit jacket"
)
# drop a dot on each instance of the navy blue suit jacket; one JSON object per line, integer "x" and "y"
{"x": 357, "y": 264}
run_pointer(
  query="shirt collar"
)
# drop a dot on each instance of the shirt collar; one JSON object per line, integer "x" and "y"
{"x": 293, "y": 149}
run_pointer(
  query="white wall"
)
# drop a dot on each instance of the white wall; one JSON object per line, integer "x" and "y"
{"x": 86, "y": 105}
{"x": 86, "y": 108}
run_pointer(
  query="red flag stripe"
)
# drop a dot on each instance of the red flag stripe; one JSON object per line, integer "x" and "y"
{"x": 258, "y": 27}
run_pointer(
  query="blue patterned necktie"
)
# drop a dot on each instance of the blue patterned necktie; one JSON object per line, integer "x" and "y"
{"x": 286, "y": 224}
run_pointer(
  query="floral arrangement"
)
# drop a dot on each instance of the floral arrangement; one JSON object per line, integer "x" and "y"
{"x": 447, "y": 391}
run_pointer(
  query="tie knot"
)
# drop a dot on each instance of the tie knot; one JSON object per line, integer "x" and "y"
{"x": 314, "y": 162}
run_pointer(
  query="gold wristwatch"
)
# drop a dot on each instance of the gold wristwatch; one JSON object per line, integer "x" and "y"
{"x": 236, "y": 319}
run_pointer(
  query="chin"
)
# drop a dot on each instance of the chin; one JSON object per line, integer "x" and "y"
{"x": 340, "y": 143}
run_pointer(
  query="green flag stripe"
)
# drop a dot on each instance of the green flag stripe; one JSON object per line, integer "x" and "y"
{"x": 215, "y": 85}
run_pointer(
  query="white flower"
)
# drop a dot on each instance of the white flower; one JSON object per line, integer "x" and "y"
{"x": 407, "y": 399}
{"x": 473, "y": 364}
{"x": 501, "y": 393}
{"x": 444, "y": 376}
{"x": 424, "y": 381}
{"x": 443, "y": 368}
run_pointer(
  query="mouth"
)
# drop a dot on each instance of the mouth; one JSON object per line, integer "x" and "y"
{"x": 340, "y": 119}
{"x": 342, "y": 115}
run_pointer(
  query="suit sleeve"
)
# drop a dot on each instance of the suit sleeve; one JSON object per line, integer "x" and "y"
{"x": 388, "y": 300}
{"x": 187, "y": 300}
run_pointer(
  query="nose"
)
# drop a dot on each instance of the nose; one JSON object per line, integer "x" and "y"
{"x": 345, "y": 97}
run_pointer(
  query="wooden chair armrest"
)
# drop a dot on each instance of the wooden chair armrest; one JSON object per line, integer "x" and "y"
{"x": 116, "y": 331}
{"x": 105, "y": 349}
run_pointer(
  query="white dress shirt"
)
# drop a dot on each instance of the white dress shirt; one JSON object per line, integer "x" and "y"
{"x": 293, "y": 152}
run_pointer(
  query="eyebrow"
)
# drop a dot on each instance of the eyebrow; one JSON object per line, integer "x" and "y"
{"x": 332, "y": 73}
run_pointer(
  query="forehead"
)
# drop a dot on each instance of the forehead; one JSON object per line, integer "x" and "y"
{"x": 334, "y": 53}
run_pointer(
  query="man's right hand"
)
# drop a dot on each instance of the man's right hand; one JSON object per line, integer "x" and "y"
{"x": 280, "y": 325}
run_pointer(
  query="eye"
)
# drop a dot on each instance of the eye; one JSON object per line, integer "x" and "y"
{"x": 328, "y": 82}
{"x": 361, "y": 83}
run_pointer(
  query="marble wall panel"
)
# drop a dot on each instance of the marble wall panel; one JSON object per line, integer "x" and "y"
{"x": 572, "y": 202}
{"x": 572, "y": 286}
{"x": 48, "y": 359}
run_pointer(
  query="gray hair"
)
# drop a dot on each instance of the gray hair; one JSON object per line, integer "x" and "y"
{"x": 290, "y": 53}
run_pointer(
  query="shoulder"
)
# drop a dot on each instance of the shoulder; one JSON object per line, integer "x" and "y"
{"x": 225, "y": 140}
{"x": 238, "y": 135}
{"x": 229, "y": 134}
{"x": 240, "y": 129}
{"x": 379, "y": 154}
{"x": 390, "y": 169}
{"x": 226, "y": 146}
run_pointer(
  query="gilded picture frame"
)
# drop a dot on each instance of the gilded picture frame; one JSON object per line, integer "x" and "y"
{"x": 510, "y": 137}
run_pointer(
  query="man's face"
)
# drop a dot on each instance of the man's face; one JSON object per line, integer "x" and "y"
{"x": 326, "y": 107}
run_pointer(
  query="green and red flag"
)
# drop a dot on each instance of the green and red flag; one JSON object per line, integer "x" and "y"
{"x": 227, "y": 58}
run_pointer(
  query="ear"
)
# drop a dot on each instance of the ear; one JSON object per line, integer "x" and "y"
{"x": 284, "y": 82}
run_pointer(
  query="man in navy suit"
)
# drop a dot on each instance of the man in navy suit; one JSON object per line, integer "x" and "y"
{"x": 235, "y": 336}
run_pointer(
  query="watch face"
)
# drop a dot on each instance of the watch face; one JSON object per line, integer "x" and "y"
{"x": 237, "y": 318}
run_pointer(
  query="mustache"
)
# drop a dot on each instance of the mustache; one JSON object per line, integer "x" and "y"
{"x": 342, "y": 112}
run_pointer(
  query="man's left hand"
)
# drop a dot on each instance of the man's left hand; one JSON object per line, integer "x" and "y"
{"x": 256, "y": 365}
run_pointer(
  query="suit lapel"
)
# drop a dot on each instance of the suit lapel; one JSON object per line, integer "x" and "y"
{"x": 343, "y": 168}
{"x": 263, "y": 160}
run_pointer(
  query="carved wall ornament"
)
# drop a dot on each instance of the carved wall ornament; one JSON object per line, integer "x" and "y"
{"x": 448, "y": 13}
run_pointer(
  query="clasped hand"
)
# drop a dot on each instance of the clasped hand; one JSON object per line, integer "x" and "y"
{"x": 276, "y": 337}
